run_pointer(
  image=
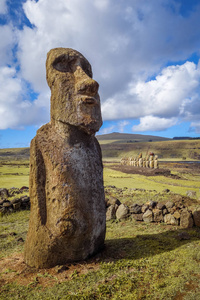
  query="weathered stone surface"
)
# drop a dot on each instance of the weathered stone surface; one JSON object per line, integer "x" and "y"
{"x": 137, "y": 217}
{"x": 169, "y": 204}
{"x": 177, "y": 215}
{"x": 111, "y": 212}
{"x": 152, "y": 204}
{"x": 144, "y": 208}
{"x": 166, "y": 191}
{"x": 3, "y": 193}
{"x": 191, "y": 194}
{"x": 7, "y": 204}
{"x": 148, "y": 216}
{"x": 160, "y": 206}
{"x": 158, "y": 216}
{"x": 122, "y": 212}
{"x": 196, "y": 217}
{"x": 112, "y": 201}
{"x": 135, "y": 209}
{"x": 16, "y": 205}
{"x": 67, "y": 220}
{"x": 186, "y": 220}
{"x": 165, "y": 211}
{"x": 170, "y": 220}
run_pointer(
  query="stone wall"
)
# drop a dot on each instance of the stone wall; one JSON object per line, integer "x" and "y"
{"x": 170, "y": 213}
{"x": 14, "y": 199}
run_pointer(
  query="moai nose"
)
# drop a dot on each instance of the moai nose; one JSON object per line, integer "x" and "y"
{"x": 86, "y": 85}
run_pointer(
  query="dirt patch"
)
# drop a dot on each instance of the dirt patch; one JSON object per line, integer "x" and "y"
{"x": 141, "y": 171}
{"x": 14, "y": 269}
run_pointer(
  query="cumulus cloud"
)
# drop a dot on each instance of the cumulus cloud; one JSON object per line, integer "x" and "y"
{"x": 195, "y": 126}
{"x": 151, "y": 123}
{"x": 173, "y": 94}
{"x": 127, "y": 42}
{"x": 3, "y": 7}
{"x": 8, "y": 40}
{"x": 15, "y": 110}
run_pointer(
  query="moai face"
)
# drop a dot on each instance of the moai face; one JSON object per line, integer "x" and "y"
{"x": 74, "y": 94}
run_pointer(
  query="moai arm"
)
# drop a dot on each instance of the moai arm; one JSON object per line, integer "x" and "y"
{"x": 37, "y": 181}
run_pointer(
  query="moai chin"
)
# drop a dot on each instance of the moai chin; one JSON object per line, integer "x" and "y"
{"x": 67, "y": 220}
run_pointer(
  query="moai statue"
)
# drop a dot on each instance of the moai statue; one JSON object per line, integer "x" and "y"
{"x": 144, "y": 162}
{"x": 147, "y": 162}
{"x": 140, "y": 162}
{"x": 137, "y": 162}
{"x": 156, "y": 165}
{"x": 67, "y": 220}
{"x": 151, "y": 162}
{"x": 132, "y": 161}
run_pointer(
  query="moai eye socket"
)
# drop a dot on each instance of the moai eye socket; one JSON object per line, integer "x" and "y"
{"x": 86, "y": 67}
{"x": 62, "y": 64}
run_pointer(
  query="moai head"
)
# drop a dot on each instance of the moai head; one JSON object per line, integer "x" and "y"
{"x": 74, "y": 94}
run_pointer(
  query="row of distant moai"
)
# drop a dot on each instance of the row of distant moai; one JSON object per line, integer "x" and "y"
{"x": 150, "y": 161}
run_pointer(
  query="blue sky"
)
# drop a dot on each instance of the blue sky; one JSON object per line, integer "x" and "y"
{"x": 144, "y": 54}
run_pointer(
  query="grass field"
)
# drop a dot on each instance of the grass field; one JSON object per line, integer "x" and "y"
{"x": 140, "y": 260}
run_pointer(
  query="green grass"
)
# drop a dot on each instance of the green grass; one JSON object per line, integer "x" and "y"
{"x": 140, "y": 261}
{"x": 158, "y": 183}
{"x": 12, "y": 227}
{"x": 15, "y": 175}
{"x": 166, "y": 150}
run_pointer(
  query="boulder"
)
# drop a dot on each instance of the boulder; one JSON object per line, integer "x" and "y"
{"x": 122, "y": 212}
{"x": 7, "y": 204}
{"x": 152, "y": 204}
{"x": 17, "y": 205}
{"x": 196, "y": 217}
{"x": 111, "y": 212}
{"x": 137, "y": 217}
{"x": 158, "y": 216}
{"x": 110, "y": 200}
{"x": 144, "y": 208}
{"x": 135, "y": 209}
{"x": 191, "y": 194}
{"x": 166, "y": 191}
{"x": 4, "y": 193}
{"x": 177, "y": 215}
{"x": 148, "y": 216}
{"x": 186, "y": 220}
{"x": 160, "y": 206}
{"x": 170, "y": 220}
{"x": 169, "y": 204}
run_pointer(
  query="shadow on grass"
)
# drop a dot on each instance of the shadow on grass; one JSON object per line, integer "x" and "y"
{"x": 147, "y": 245}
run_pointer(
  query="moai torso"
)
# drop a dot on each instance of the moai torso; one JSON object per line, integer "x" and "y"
{"x": 156, "y": 166}
{"x": 151, "y": 162}
{"x": 141, "y": 162}
{"x": 67, "y": 220}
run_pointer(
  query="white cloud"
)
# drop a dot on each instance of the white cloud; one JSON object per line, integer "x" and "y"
{"x": 195, "y": 126}
{"x": 151, "y": 123}
{"x": 174, "y": 93}
{"x": 107, "y": 130}
{"x": 3, "y": 7}
{"x": 127, "y": 42}
{"x": 15, "y": 110}
{"x": 122, "y": 125}
{"x": 8, "y": 40}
